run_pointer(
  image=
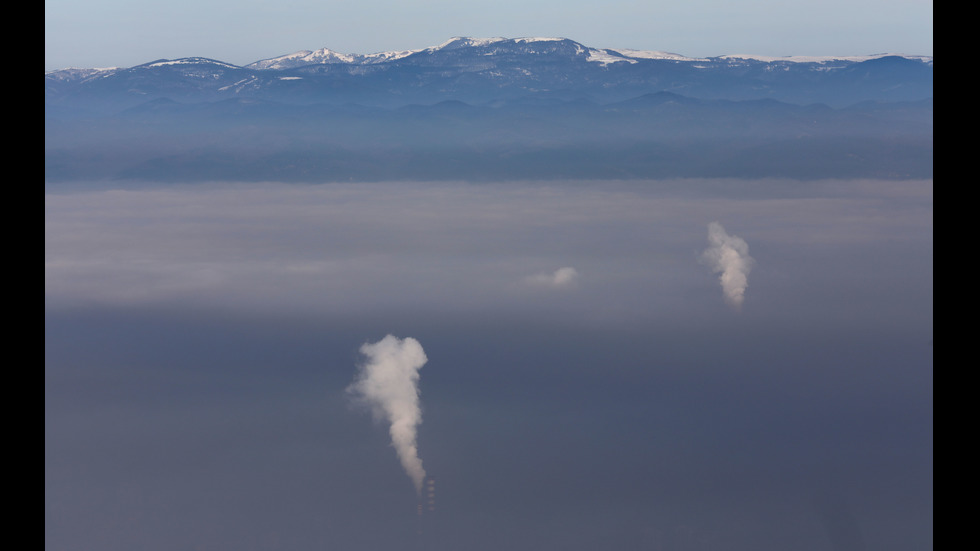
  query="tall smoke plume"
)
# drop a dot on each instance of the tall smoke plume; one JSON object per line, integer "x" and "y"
{"x": 388, "y": 383}
{"x": 729, "y": 256}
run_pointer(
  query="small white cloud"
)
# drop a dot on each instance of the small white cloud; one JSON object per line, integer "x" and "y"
{"x": 562, "y": 277}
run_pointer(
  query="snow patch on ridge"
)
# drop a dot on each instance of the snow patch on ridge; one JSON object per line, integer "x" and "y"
{"x": 78, "y": 73}
{"x": 325, "y": 55}
{"x": 605, "y": 57}
{"x": 819, "y": 59}
{"x": 190, "y": 61}
{"x": 653, "y": 54}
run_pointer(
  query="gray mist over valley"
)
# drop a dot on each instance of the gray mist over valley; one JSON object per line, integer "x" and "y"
{"x": 587, "y": 383}
{"x": 493, "y": 294}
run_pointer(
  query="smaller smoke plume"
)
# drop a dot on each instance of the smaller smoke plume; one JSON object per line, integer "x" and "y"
{"x": 430, "y": 486}
{"x": 728, "y": 255}
{"x": 388, "y": 383}
{"x": 562, "y": 277}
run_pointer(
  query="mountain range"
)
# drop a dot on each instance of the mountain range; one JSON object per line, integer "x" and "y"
{"x": 483, "y": 70}
{"x": 492, "y": 108}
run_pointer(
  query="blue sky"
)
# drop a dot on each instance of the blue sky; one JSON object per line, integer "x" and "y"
{"x": 102, "y": 33}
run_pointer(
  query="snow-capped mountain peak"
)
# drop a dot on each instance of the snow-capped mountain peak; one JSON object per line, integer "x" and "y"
{"x": 324, "y": 56}
{"x": 302, "y": 57}
{"x": 189, "y": 61}
{"x": 463, "y": 41}
{"x": 490, "y": 69}
{"x": 466, "y": 41}
{"x": 492, "y": 46}
{"x": 79, "y": 74}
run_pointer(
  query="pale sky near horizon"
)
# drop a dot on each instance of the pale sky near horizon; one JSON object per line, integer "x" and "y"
{"x": 114, "y": 33}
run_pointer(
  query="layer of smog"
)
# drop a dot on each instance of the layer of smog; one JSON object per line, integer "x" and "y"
{"x": 688, "y": 364}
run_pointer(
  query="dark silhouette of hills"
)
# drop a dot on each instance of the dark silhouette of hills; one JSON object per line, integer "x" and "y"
{"x": 653, "y": 136}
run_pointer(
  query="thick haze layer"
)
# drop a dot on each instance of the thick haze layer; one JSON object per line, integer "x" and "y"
{"x": 455, "y": 248}
{"x": 587, "y": 385}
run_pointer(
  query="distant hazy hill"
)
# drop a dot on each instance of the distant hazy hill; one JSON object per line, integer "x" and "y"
{"x": 490, "y": 109}
{"x": 480, "y": 70}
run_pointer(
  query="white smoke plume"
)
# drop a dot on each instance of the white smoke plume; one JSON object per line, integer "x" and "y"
{"x": 388, "y": 383}
{"x": 729, "y": 256}
{"x": 562, "y": 277}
